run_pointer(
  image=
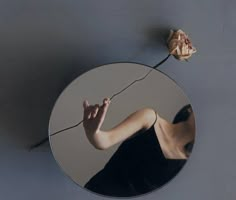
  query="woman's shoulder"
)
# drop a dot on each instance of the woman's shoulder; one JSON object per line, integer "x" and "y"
{"x": 150, "y": 116}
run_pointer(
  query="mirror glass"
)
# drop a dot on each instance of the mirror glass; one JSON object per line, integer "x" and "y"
{"x": 127, "y": 144}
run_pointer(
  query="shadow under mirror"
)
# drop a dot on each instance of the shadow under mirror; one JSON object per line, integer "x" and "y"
{"x": 127, "y": 144}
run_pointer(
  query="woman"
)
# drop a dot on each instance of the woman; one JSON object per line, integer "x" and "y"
{"x": 153, "y": 149}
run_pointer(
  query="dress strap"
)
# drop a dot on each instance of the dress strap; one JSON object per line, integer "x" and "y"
{"x": 155, "y": 119}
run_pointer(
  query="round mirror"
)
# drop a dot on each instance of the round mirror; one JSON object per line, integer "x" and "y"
{"x": 122, "y": 130}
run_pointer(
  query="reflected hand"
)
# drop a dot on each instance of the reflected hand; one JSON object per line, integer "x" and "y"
{"x": 94, "y": 116}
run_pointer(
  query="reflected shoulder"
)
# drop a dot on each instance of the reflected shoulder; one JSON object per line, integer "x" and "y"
{"x": 150, "y": 116}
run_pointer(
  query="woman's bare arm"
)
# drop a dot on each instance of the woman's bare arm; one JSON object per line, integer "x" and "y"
{"x": 95, "y": 115}
{"x": 141, "y": 119}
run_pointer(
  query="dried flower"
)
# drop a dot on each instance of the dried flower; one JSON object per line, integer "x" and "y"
{"x": 180, "y": 45}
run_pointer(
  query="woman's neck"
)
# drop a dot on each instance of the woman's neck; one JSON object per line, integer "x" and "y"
{"x": 172, "y": 138}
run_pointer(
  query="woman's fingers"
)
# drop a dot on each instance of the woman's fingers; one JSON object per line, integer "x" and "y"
{"x": 87, "y": 110}
{"x": 94, "y": 111}
{"x": 103, "y": 109}
{"x": 90, "y": 111}
{"x": 85, "y": 104}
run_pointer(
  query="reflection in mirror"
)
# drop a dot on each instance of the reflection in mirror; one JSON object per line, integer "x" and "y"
{"x": 130, "y": 145}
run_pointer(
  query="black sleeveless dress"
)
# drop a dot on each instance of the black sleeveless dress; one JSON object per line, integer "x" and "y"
{"x": 137, "y": 167}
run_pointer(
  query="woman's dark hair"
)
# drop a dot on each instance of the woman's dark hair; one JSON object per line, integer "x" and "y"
{"x": 182, "y": 116}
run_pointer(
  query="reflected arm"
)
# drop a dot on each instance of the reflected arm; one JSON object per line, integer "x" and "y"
{"x": 94, "y": 116}
{"x": 139, "y": 120}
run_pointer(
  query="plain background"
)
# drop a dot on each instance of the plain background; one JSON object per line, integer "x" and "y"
{"x": 71, "y": 149}
{"x": 46, "y": 44}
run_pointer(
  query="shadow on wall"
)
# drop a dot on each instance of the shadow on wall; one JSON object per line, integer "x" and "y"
{"x": 29, "y": 95}
{"x": 157, "y": 36}
{"x": 154, "y": 45}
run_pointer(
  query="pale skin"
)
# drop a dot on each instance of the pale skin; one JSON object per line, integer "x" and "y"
{"x": 172, "y": 137}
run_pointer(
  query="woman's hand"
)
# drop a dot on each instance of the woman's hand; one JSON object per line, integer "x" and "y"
{"x": 93, "y": 119}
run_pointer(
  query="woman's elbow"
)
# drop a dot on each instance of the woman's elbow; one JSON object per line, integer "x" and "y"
{"x": 103, "y": 142}
{"x": 102, "y": 147}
